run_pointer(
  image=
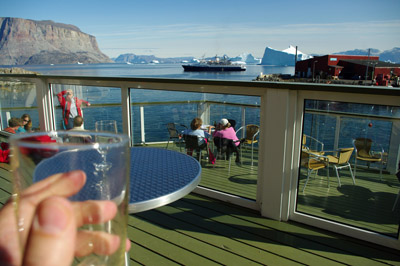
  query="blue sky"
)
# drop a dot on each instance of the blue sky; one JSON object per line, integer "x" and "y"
{"x": 205, "y": 28}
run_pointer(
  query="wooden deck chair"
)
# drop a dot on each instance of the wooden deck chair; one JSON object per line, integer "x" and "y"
{"x": 364, "y": 152}
{"x": 250, "y": 138}
{"x": 174, "y": 134}
{"x": 192, "y": 145}
{"x": 225, "y": 148}
{"x": 312, "y": 145}
{"x": 340, "y": 160}
{"x": 313, "y": 162}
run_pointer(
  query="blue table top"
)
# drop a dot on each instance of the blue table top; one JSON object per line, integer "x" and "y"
{"x": 157, "y": 176}
{"x": 160, "y": 176}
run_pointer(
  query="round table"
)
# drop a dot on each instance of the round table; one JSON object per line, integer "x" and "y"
{"x": 159, "y": 177}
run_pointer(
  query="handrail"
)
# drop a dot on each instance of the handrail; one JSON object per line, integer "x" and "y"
{"x": 233, "y": 87}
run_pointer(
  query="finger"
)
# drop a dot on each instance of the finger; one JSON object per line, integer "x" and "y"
{"x": 127, "y": 244}
{"x": 94, "y": 212}
{"x": 53, "y": 234}
{"x": 98, "y": 242}
{"x": 10, "y": 253}
{"x": 63, "y": 184}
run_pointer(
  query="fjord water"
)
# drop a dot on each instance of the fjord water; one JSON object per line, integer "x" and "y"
{"x": 155, "y": 71}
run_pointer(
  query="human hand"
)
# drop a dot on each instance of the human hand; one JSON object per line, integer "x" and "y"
{"x": 50, "y": 223}
{"x": 88, "y": 104}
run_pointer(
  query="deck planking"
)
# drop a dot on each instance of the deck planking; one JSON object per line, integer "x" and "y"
{"x": 197, "y": 230}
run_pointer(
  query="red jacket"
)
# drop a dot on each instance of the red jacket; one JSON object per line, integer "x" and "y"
{"x": 66, "y": 106}
{"x": 10, "y": 130}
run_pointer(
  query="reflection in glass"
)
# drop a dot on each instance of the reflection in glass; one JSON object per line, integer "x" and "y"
{"x": 153, "y": 110}
{"x": 367, "y": 201}
{"x": 18, "y": 98}
{"x": 105, "y": 104}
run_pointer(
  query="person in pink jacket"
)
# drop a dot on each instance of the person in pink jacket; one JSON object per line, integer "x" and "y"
{"x": 224, "y": 130}
{"x": 71, "y": 107}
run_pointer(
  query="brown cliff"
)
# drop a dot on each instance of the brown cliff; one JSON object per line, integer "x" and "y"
{"x": 25, "y": 41}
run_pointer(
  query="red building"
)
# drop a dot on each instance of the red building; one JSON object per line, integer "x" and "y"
{"x": 346, "y": 67}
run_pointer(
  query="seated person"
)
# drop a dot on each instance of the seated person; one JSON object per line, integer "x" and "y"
{"x": 224, "y": 130}
{"x": 78, "y": 126}
{"x": 78, "y": 123}
{"x": 14, "y": 124}
{"x": 195, "y": 130}
{"x": 26, "y": 124}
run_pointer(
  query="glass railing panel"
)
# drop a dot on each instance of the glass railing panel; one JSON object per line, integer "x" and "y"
{"x": 153, "y": 130}
{"x": 105, "y": 104}
{"x": 369, "y": 128}
{"x": 152, "y": 110}
{"x": 359, "y": 141}
{"x": 16, "y": 99}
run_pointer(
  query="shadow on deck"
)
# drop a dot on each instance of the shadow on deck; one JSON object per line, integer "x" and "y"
{"x": 197, "y": 230}
{"x": 200, "y": 231}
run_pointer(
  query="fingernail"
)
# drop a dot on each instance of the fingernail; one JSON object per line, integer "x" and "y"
{"x": 78, "y": 177}
{"x": 52, "y": 216}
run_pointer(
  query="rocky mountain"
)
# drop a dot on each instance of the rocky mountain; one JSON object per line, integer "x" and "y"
{"x": 373, "y": 52}
{"x": 392, "y": 55}
{"x": 24, "y": 41}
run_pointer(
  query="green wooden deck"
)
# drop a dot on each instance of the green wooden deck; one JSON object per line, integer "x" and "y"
{"x": 201, "y": 231}
{"x": 367, "y": 205}
{"x": 241, "y": 180}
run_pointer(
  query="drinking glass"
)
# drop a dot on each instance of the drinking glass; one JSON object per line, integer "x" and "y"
{"x": 106, "y": 126}
{"x": 104, "y": 157}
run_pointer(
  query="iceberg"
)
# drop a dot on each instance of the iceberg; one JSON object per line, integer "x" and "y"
{"x": 286, "y": 57}
{"x": 246, "y": 58}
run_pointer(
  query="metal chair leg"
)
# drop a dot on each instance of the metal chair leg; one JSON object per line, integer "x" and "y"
{"x": 229, "y": 167}
{"x": 252, "y": 151}
{"x": 308, "y": 175}
{"x": 351, "y": 173}
{"x": 355, "y": 167}
{"x": 337, "y": 175}
{"x": 395, "y": 202}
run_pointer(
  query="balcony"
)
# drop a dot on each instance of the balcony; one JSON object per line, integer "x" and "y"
{"x": 251, "y": 212}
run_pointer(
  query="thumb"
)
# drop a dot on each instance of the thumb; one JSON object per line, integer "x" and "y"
{"x": 52, "y": 237}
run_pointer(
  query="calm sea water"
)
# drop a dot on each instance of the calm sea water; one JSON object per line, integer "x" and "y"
{"x": 155, "y": 131}
{"x": 155, "y": 70}
{"x": 183, "y": 114}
